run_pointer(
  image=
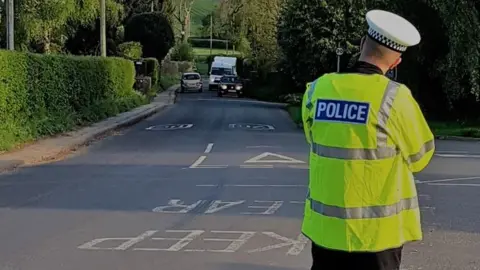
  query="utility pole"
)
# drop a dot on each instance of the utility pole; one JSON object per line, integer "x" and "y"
{"x": 211, "y": 33}
{"x": 103, "y": 30}
{"x": 151, "y": 7}
{"x": 10, "y": 28}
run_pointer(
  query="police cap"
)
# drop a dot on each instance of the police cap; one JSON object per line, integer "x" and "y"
{"x": 391, "y": 30}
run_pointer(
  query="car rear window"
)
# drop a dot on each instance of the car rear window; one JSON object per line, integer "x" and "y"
{"x": 191, "y": 77}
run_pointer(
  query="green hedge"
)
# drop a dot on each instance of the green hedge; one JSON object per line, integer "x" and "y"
{"x": 44, "y": 95}
{"x": 153, "y": 69}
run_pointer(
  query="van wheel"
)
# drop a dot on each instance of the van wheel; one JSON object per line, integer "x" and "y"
{"x": 219, "y": 94}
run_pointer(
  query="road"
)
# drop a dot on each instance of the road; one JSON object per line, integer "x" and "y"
{"x": 201, "y": 186}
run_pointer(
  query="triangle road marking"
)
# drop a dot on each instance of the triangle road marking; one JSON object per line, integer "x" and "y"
{"x": 279, "y": 159}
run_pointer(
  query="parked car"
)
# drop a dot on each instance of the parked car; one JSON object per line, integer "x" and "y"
{"x": 191, "y": 81}
{"x": 230, "y": 84}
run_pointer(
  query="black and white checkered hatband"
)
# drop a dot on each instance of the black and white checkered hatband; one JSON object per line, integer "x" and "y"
{"x": 386, "y": 41}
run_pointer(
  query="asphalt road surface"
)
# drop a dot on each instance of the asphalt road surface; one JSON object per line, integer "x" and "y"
{"x": 208, "y": 184}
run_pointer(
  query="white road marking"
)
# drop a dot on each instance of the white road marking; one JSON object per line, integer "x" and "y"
{"x": 457, "y": 156}
{"x": 252, "y": 126}
{"x": 170, "y": 127}
{"x": 210, "y": 167}
{"x": 303, "y": 167}
{"x": 198, "y": 162}
{"x": 215, "y": 206}
{"x": 182, "y": 242}
{"x": 449, "y": 180}
{"x": 221, "y": 205}
{"x": 272, "y": 208}
{"x": 280, "y": 159}
{"x": 254, "y": 186}
{"x": 256, "y": 166}
{"x": 130, "y": 241}
{"x": 263, "y": 146}
{"x": 450, "y": 184}
{"x": 235, "y": 244}
{"x": 297, "y": 202}
{"x": 175, "y": 204}
{"x": 209, "y": 148}
{"x": 297, "y": 245}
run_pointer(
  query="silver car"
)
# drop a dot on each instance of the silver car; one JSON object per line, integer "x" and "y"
{"x": 191, "y": 81}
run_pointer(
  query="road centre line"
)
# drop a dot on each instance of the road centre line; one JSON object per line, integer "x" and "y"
{"x": 209, "y": 148}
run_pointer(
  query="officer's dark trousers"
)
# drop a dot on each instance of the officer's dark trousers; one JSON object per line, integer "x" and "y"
{"x": 326, "y": 259}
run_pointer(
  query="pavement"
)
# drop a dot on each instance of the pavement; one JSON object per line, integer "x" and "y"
{"x": 212, "y": 184}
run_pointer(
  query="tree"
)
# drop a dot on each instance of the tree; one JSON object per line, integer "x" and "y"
{"x": 256, "y": 22}
{"x": 310, "y": 31}
{"x": 133, "y": 7}
{"x": 46, "y": 24}
{"x": 182, "y": 12}
{"x": 153, "y": 31}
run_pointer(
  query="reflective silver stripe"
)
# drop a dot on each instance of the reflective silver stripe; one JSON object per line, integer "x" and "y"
{"x": 353, "y": 153}
{"x": 364, "y": 212}
{"x": 382, "y": 151}
{"x": 310, "y": 95}
{"x": 427, "y": 147}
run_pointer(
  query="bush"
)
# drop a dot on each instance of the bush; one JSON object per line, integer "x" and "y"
{"x": 46, "y": 94}
{"x": 153, "y": 31}
{"x": 153, "y": 69}
{"x": 183, "y": 52}
{"x": 130, "y": 50}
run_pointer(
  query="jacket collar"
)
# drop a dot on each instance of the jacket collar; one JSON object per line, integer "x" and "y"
{"x": 365, "y": 68}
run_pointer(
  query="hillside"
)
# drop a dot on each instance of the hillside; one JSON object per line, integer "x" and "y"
{"x": 200, "y": 9}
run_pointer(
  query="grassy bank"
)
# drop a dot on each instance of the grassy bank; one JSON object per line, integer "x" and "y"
{"x": 167, "y": 81}
{"x": 455, "y": 129}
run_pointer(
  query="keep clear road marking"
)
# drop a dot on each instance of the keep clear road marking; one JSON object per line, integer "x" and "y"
{"x": 295, "y": 246}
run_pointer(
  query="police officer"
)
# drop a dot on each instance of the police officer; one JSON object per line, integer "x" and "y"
{"x": 367, "y": 136}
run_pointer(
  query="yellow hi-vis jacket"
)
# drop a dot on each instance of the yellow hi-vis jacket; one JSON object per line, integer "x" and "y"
{"x": 367, "y": 135}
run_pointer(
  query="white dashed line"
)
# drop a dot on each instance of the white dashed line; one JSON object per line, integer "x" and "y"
{"x": 209, "y": 148}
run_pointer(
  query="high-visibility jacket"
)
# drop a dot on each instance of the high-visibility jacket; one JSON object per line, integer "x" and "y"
{"x": 367, "y": 136}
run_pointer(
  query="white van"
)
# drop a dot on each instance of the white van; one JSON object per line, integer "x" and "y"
{"x": 218, "y": 70}
{"x": 229, "y": 60}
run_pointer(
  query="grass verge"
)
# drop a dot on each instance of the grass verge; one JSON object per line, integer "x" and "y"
{"x": 206, "y": 51}
{"x": 455, "y": 129}
{"x": 167, "y": 81}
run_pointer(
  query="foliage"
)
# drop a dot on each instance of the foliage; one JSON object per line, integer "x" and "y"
{"x": 310, "y": 31}
{"x": 130, "y": 50}
{"x": 183, "y": 52}
{"x": 168, "y": 81}
{"x": 46, "y": 94}
{"x": 153, "y": 69}
{"x": 153, "y": 31}
{"x": 48, "y": 23}
{"x": 255, "y": 22}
